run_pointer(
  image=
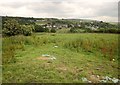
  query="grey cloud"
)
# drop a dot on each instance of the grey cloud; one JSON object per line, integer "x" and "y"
{"x": 14, "y": 5}
{"x": 108, "y": 9}
{"x": 58, "y": 8}
{"x": 105, "y": 9}
{"x": 53, "y": 8}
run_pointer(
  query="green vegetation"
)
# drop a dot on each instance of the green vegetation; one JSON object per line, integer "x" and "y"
{"x": 76, "y": 49}
{"x": 52, "y": 30}
{"x": 77, "y": 56}
{"x": 27, "y": 30}
{"x": 39, "y": 28}
{"x": 63, "y": 30}
{"x": 19, "y": 25}
{"x": 11, "y": 27}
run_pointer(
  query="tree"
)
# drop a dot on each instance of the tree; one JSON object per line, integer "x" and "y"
{"x": 46, "y": 30}
{"x": 73, "y": 30}
{"x": 82, "y": 25}
{"x": 27, "y": 29}
{"x": 53, "y": 30}
{"x": 11, "y": 27}
{"x": 39, "y": 28}
{"x": 69, "y": 25}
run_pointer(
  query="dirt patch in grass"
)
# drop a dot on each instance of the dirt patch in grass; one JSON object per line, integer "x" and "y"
{"x": 94, "y": 78}
{"x": 43, "y": 58}
{"x": 62, "y": 67}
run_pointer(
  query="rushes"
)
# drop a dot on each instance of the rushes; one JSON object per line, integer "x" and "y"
{"x": 102, "y": 45}
{"x": 105, "y": 45}
{"x": 9, "y": 46}
{"x": 12, "y": 44}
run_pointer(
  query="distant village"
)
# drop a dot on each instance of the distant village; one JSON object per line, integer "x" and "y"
{"x": 66, "y": 25}
{"x": 54, "y": 24}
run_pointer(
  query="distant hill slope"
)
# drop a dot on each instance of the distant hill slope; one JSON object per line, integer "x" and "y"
{"x": 54, "y": 22}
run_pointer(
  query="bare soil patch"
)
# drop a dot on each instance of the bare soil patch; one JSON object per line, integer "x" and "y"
{"x": 43, "y": 58}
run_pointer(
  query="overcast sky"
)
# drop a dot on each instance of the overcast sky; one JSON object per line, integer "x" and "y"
{"x": 105, "y": 10}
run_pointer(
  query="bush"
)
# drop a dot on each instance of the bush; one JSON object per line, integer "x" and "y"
{"x": 39, "y": 28}
{"x": 108, "y": 30}
{"x": 11, "y": 27}
{"x": 27, "y": 29}
{"x": 53, "y": 30}
{"x": 77, "y": 30}
{"x": 46, "y": 30}
{"x": 73, "y": 30}
{"x": 111, "y": 30}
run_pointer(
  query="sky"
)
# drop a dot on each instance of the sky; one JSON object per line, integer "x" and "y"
{"x": 103, "y": 10}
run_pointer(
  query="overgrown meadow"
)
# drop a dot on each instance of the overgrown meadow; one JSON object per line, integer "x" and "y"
{"x": 77, "y": 56}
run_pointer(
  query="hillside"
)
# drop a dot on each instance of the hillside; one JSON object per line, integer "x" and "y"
{"x": 50, "y": 50}
{"x": 73, "y": 25}
{"x": 55, "y": 21}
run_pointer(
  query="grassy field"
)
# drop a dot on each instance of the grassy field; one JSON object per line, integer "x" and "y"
{"x": 77, "y": 56}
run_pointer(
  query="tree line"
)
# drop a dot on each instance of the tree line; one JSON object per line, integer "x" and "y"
{"x": 12, "y": 26}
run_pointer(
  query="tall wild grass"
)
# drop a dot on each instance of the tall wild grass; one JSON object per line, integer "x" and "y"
{"x": 107, "y": 48}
